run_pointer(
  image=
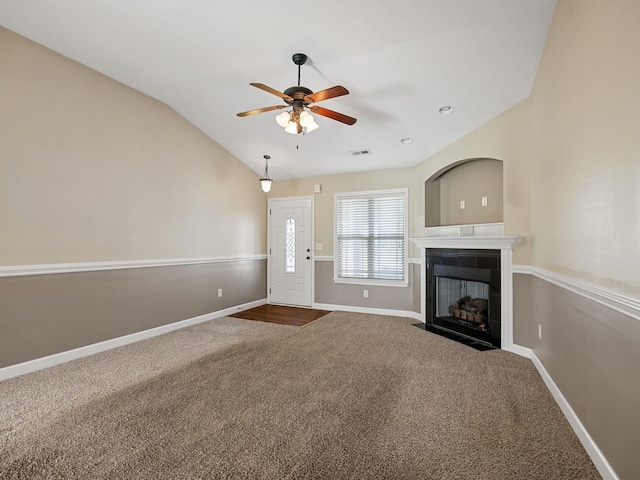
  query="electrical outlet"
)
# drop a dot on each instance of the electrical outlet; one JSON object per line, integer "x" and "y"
{"x": 365, "y": 293}
{"x": 219, "y": 292}
{"x": 461, "y": 204}
{"x": 484, "y": 201}
{"x": 540, "y": 331}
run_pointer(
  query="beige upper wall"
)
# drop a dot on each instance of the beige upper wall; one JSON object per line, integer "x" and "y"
{"x": 570, "y": 152}
{"x": 91, "y": 170}
{"x": 470, "y": 182}
{"x": 572, "y": 146}
{"x": 323, "y": 202}
{"x": 504, "y": 138}
{"x": 585, "y": 144}
{"x": 84, "y": 157}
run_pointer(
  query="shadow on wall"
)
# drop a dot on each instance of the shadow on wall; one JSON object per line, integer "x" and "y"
{"x": 466, "y": 192}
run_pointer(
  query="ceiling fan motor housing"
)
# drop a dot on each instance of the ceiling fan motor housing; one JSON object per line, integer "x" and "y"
{"x": 297, "y": 93}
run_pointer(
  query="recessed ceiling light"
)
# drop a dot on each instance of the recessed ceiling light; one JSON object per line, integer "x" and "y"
{"x": 445, "y": 110}
{"x": 406, "y": 140}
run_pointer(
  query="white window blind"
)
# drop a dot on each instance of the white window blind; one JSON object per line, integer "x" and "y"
{"x": 370, "y": 236}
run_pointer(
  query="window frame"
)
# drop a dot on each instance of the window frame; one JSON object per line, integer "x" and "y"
{"x": 404, "y": 192}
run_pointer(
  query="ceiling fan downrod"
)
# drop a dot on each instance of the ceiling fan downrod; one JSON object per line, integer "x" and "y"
{"x": 299, "y": 59}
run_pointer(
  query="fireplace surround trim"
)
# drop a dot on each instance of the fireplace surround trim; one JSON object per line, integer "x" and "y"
{"x": 504, "y": 243}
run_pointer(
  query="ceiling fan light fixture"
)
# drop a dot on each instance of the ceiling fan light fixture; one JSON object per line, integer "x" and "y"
{"x": 306, "y": 119}
{"x": 312, "y": 126}
{"x": 292, "y": 128}
{"x": 283, "y": 118}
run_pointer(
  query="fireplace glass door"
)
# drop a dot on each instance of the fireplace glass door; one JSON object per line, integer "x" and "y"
{"x": 463, "y": 302}
{"x": 463, "y": 294}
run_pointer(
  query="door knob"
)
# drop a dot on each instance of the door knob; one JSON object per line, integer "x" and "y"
{"x": 308, "y": 258}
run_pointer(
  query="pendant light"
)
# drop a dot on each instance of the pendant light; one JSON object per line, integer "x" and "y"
{"x": 265, "y": 181}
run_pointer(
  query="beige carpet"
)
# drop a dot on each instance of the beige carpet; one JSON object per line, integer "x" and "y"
{"x": 349, "y": 396}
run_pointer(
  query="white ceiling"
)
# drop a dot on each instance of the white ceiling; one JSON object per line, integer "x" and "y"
{"x": 400, "y": 61}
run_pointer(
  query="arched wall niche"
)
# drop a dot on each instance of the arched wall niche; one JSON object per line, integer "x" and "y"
{"x": 466, "y": 180}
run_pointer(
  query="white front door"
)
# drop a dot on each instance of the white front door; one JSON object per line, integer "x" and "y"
{"x": 290, "y": 251}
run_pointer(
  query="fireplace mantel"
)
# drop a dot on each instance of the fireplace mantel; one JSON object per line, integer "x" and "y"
{"x": 493, "y": 243}
{"x": 476, "y": 237}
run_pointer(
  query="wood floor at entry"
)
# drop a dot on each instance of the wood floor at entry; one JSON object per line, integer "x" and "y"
{"x": 282, "y": 314}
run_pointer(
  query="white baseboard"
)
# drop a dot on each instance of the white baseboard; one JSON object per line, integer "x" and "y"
{"x": 589, "y": 445}
{"x": 62, "y": 357}
{"x": 374, "y": 311}
{"x": 522, "y": 351}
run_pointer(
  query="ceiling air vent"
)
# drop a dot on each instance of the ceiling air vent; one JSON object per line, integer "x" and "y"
{"x": 356, "y": 153}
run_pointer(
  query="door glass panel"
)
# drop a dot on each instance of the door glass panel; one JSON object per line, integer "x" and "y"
{"x": 290, "y": 246}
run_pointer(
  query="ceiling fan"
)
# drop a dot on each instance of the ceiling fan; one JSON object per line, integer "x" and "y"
{"x": 298, "y": 120}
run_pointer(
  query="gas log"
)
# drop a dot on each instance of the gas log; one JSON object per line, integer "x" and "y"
{"x": 470, "y": 309}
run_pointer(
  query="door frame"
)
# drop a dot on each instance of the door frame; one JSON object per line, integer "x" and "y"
{"x": 312, "y": 282}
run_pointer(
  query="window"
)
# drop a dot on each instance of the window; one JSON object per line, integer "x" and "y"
{"x": 371, "y": 237}
{"x": 290, "y": 246}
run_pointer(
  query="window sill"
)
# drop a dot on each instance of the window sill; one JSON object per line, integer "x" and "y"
{"x": 372, "y": 281}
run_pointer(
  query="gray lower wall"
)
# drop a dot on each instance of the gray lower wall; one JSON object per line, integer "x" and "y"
{"x": 41, "y": 315}
{"x": 389, "y": 298}
{"x": 592, "y": 354}
{"x": 524, "y": 328}
{"x": 416, "y": 271}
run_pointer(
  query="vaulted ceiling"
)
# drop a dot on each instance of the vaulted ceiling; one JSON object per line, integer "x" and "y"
{"x": 401, "y": 61}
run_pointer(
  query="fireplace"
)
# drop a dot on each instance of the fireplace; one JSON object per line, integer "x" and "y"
{"x": 480, "y": 248}
{"x": 463, "y": 293}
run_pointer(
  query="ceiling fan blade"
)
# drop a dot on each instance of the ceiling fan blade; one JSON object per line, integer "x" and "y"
{"x": 260, "y": 110}
{"x": 272, "y": 91}
{"x": 332, "y": 92}
{"x": 325, "y": 112}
